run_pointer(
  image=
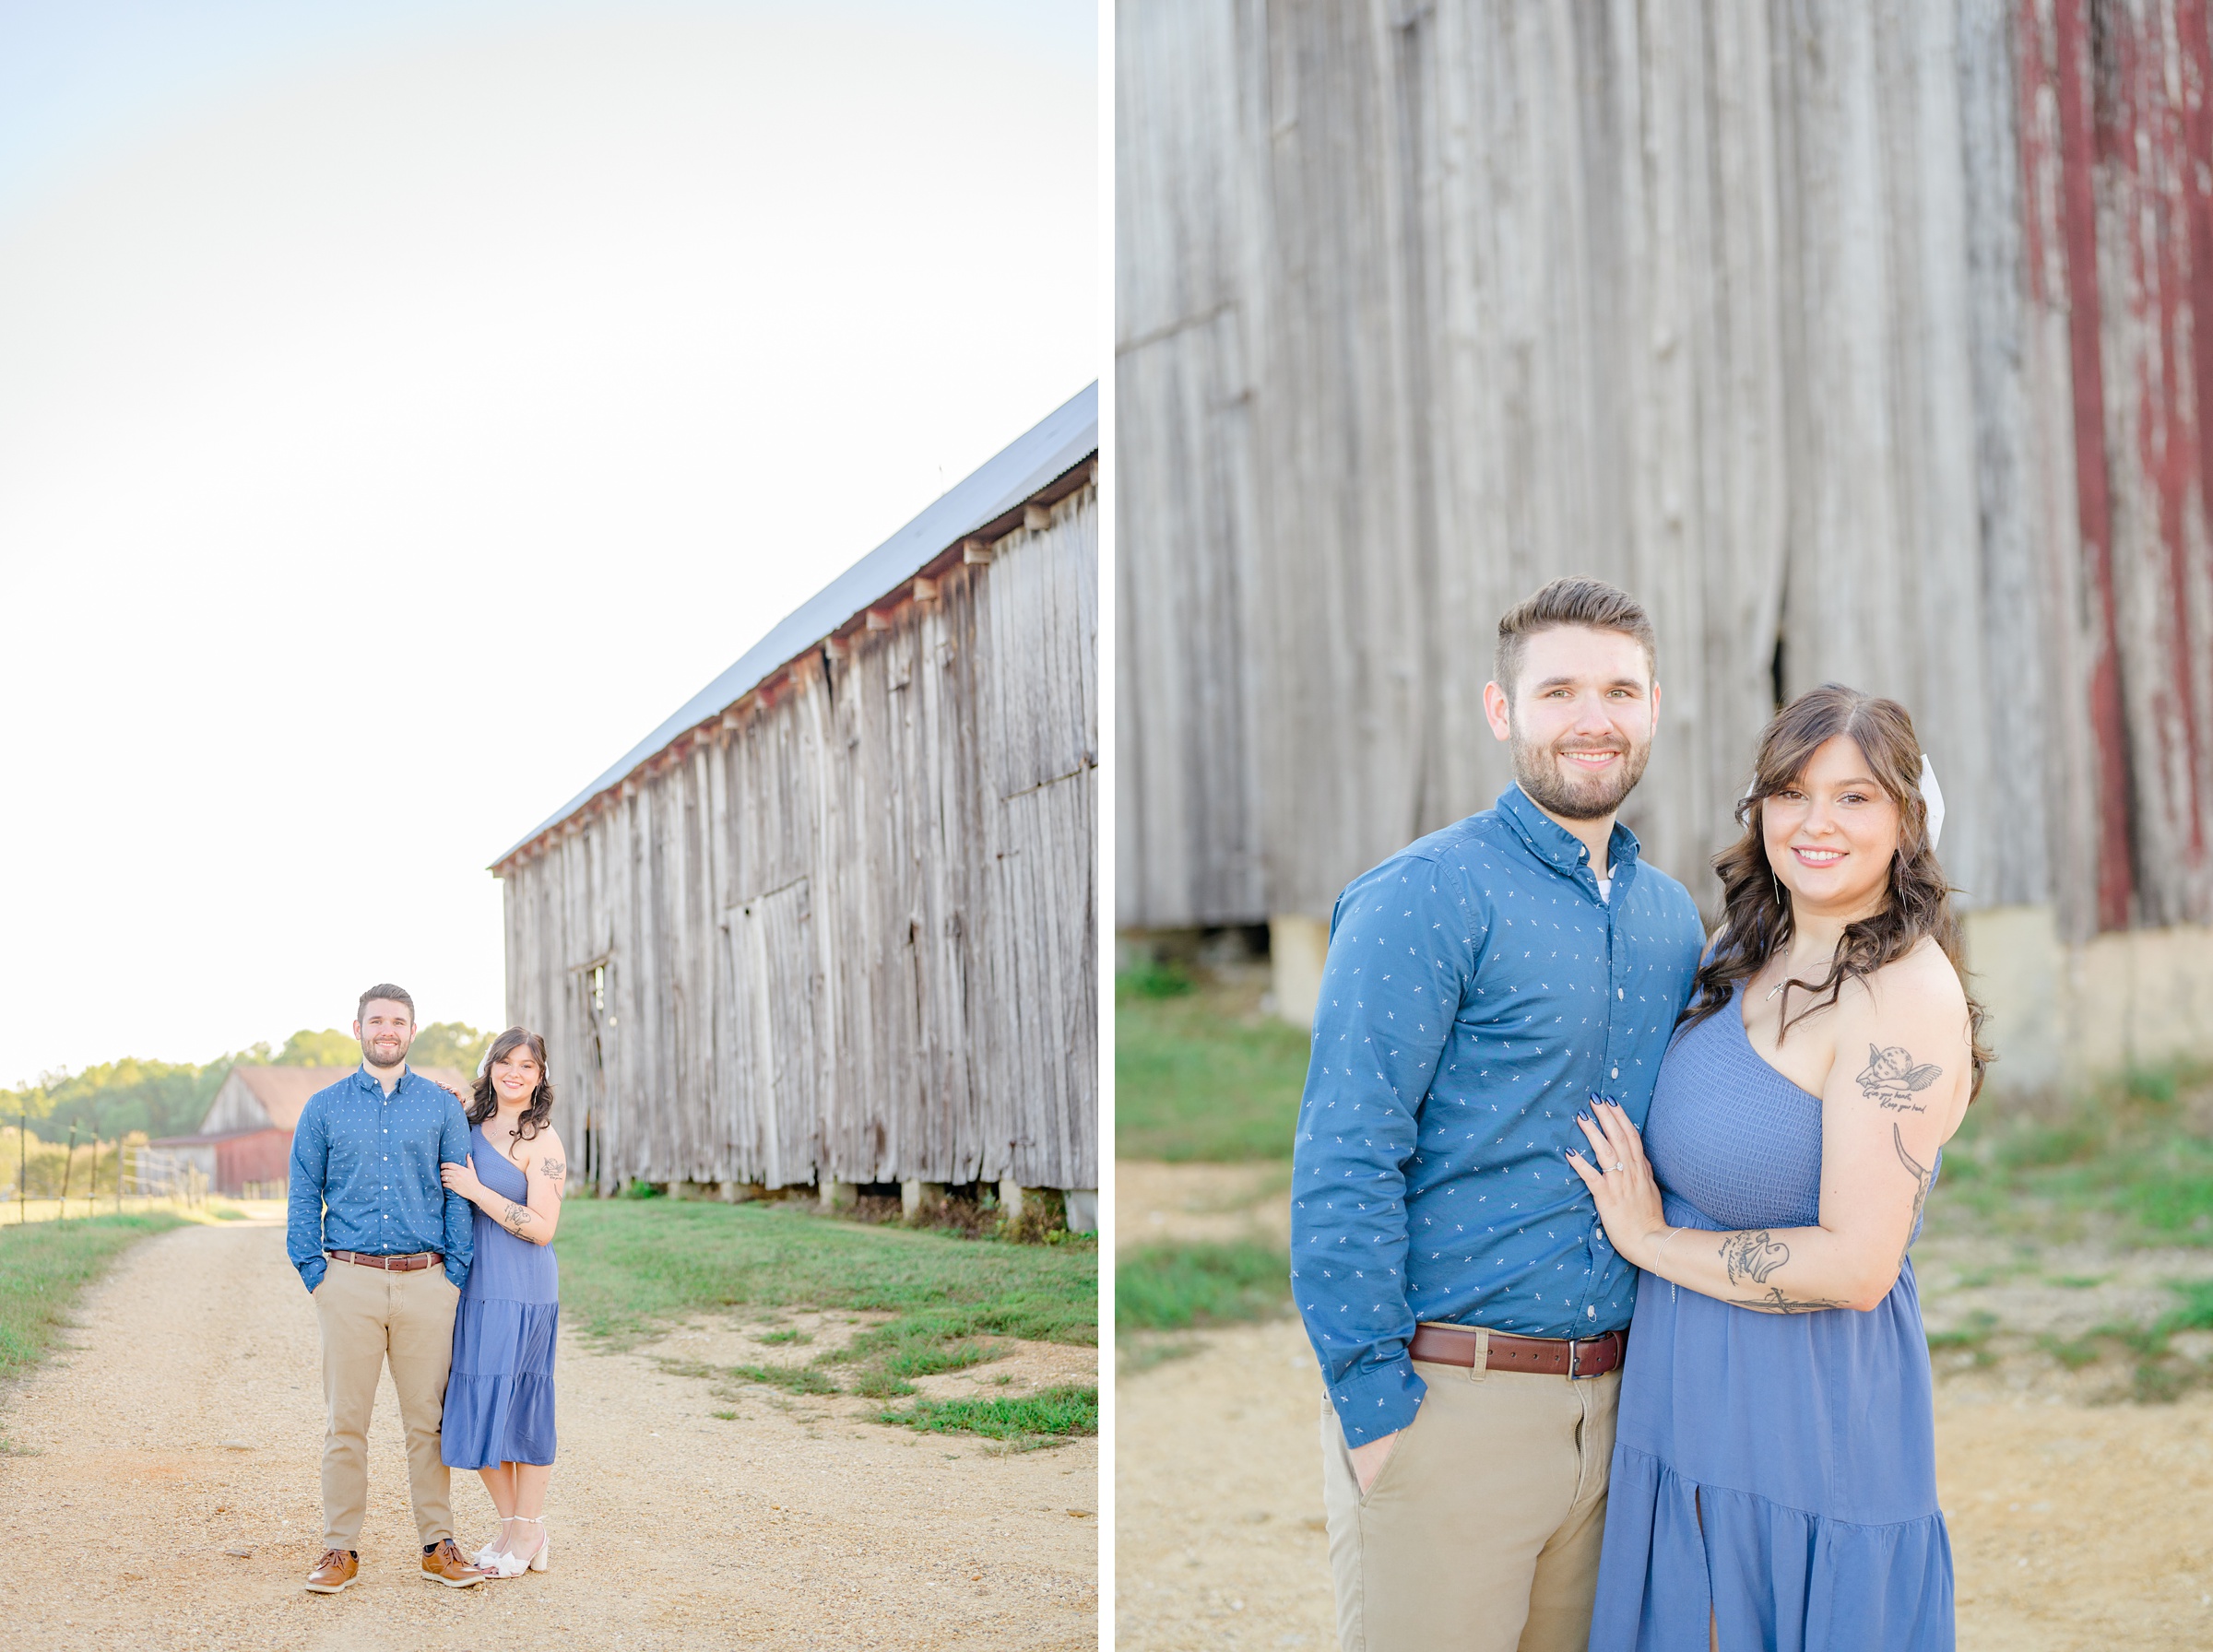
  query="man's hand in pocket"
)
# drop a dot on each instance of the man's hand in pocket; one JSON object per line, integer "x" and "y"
{"x": 1369, "y": 1460}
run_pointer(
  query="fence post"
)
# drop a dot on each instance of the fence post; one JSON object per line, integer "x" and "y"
{"x": 68, "y": 1163}
{"x": 92, "y": 1187}
{"x": 22, "y": 1162}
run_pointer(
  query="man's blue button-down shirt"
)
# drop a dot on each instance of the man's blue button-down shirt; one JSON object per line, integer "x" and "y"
{"x": 1477, "y": 994}
{"x": 365, "y": 1174}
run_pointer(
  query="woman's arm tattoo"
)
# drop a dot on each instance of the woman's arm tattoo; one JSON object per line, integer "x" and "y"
{"x": 1775, "y": 1302}
{"x": 515, "y": 1218}
{"x": 1752, "y": 1256}
{"x": 552, "y": 1169}
{"x": 1891, "y": 1078}
{"x": 1923, "y": 1181}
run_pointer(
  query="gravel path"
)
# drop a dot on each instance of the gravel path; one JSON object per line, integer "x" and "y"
{"x": 163, "y": 1492}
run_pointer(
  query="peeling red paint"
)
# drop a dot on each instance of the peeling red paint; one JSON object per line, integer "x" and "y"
{"x": 2079, "y": 232}
{"x": 2146, "y": 159}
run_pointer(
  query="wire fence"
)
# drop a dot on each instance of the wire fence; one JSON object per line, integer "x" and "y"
{"x": 52, "y": 1181}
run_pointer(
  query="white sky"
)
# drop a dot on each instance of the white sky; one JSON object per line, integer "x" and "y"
{"x": 401, "y": 414}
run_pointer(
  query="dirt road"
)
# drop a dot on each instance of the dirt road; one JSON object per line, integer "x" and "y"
{"x": 2074, "y": 1525}
{"x": 163, "y": 1493}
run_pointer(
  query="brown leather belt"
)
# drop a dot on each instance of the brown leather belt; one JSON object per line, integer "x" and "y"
{"x": 421, "y": 1258}
{"x": 1548, "y": 1356}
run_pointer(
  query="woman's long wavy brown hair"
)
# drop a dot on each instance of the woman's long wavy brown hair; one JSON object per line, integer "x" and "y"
{"x": 1755, "y": 919}
{"x": 486, "y": 1101}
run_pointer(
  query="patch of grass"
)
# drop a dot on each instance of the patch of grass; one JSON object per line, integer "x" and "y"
{"x": 2035, "y": 1146}
{"x": 1976, "y": 1328}
{"x": 1138, "y": 1354}
{"x": 46, "y": 1265}
{"x": 2080, "y": 1282}
{"x": 2124, "y": 1169}
{"x": 1062, "y": 1411}
{"x": 724, "y": 1416}
{"x": 920, "y": 1345}
{"x": 2074, "y": 1353}
{"x": 1176, "y": 1287}
{"x": 1195, "y": 1081}
{"x": 792, "y": 1379}
{"x": 629, "y": 1269}
{"x": 1154, "y": 978}
{"x": 881, "y": 1385}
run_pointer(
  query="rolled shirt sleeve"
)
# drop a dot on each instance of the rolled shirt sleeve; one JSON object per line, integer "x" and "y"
{"x": 303, "y": 1202}
{"x": 460, "y": 1215}
{"x": 1399, "y": 955}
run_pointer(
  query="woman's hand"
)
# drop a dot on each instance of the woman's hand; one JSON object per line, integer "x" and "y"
{"x": 1621, "y": 1183}
{"x": 461, "y": 1178}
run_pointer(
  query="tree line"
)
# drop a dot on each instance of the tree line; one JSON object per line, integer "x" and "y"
{"x": 170, "y": 1098}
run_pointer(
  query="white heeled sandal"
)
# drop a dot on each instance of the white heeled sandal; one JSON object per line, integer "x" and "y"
{"x": 510, "y": 1565}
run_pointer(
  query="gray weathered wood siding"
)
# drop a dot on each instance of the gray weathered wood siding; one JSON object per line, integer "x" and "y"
{"x": 848, "y": 931}
{"x": 1863, "y": 332}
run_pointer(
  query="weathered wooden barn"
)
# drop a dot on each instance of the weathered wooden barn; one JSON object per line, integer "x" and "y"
{"x": 1866, "y": 341}
{"x": 834, "y": 922}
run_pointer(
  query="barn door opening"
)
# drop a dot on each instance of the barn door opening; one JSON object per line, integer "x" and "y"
{"x": 774, "y": 988}
{"x": 594, "y": 987}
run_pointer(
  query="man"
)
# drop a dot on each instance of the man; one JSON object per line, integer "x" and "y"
{"x": 383, "y": 1248}
{"x": 1481, "y": 987}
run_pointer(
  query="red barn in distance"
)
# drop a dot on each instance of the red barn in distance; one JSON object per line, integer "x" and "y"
{"x": 244, "y": 1146}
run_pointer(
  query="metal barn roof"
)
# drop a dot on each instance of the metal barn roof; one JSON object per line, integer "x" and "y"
{"x": 1052, "y": 448}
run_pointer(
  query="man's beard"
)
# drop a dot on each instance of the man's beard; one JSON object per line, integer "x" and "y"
{"x": 1574, "y": 796}
{"x": 376, "y": 1057}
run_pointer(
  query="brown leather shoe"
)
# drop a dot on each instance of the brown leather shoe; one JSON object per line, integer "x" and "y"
{"x": 338, "y": 1568}
{"x": 444, "y": 1565}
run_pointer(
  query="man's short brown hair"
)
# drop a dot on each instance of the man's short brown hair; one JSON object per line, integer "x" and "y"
{"x": 1576, "y": 599}
{"x": 385, "y": 989}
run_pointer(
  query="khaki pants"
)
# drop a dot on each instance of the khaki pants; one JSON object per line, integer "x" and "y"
{"x": 368, "y": 1317}
{"x": 1481, "y": 1534}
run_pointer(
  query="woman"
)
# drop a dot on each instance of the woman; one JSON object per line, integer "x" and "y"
{"x": 499, "y": 1400}
{"x": 1773, "y": 1480}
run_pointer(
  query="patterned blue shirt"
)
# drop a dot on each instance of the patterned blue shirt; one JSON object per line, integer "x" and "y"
{"x": 1478, "y": 991}
{"x": 365, "y": 1174}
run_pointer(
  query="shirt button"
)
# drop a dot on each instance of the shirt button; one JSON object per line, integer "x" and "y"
{"x": 1621, "y": 992}
{"x": 1617, "y": 1072}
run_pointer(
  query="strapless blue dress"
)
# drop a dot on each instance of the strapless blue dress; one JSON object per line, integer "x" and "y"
{"x": 1780, "y": 1469}
{"x": 499, "y": 1395}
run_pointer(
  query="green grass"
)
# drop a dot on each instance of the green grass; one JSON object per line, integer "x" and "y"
{"x": 2124, "y": 1169}
{"x": 792, "y": 1379}
{"x": 1176, "y": 1287}
{"x": 1056, "y": 1412}
{"x": 1195, "y": 1080}
{"x": 44, "y": 1265}
{"x": 631, "y": 1267}
{"x": 627, "y": 1268}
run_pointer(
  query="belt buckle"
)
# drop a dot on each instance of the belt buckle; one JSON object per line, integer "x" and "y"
{"x": 1575, "y": 1359}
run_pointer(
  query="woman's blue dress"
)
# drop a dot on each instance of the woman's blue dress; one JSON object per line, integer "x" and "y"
{"x": 499, "y": 1397}
{"x": 1779, "y": 1469}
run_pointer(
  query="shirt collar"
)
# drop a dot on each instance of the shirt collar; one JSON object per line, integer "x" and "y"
{"x": 1556, "y": 846}
{"x": 362, "y": 1077}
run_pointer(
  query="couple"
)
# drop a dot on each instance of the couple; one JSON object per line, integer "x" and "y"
{"x": 385, "y": 1166}
{"x": 1544, "y": 1112}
